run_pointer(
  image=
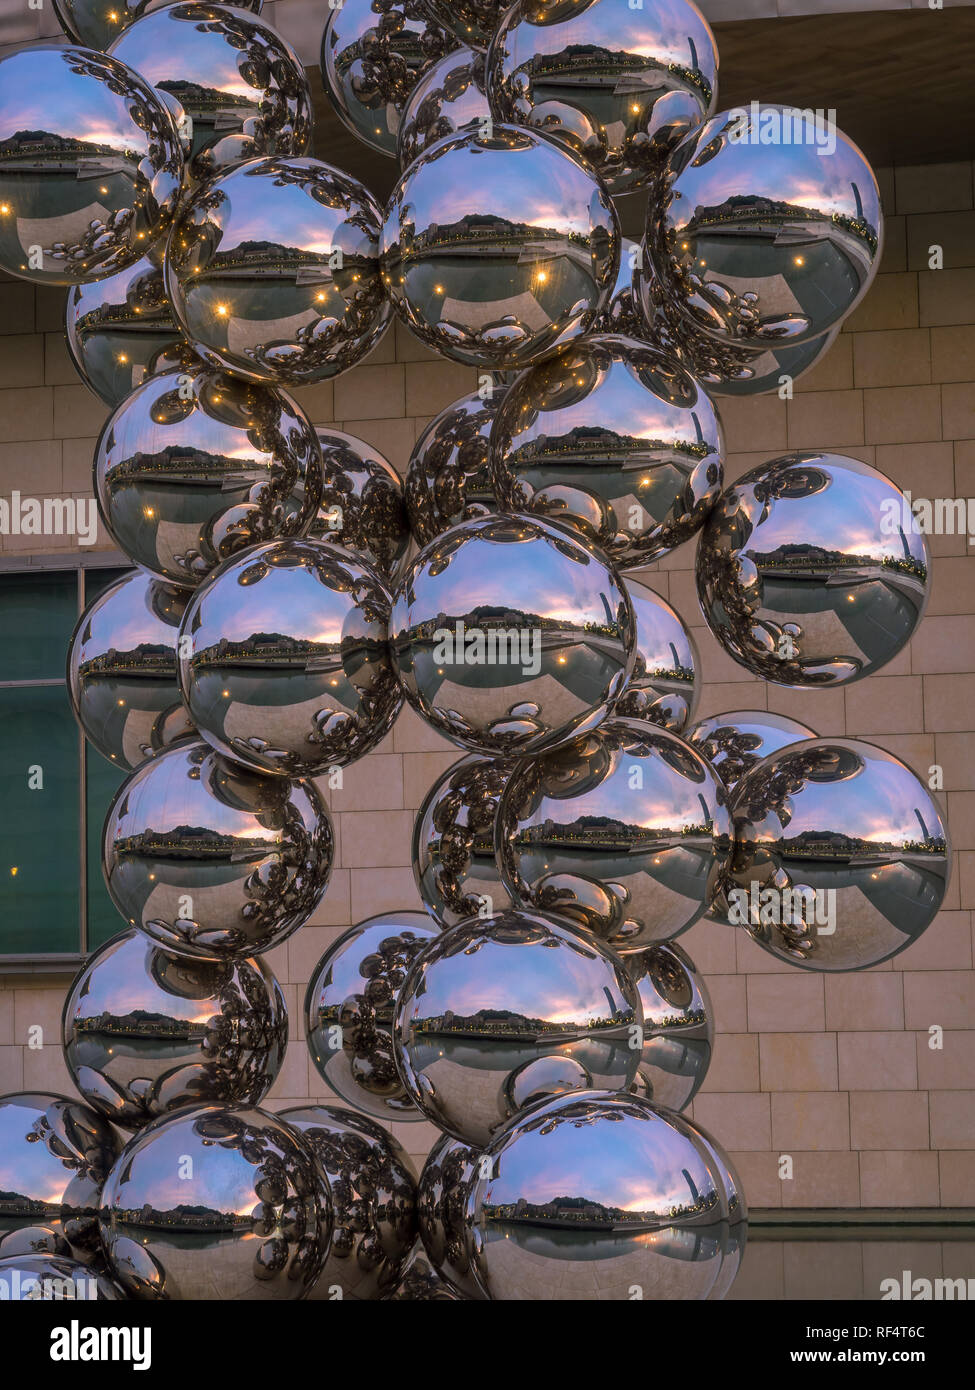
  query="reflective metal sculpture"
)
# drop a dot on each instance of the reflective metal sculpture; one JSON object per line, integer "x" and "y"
{"x": 90, "y": 165}
{"x": 736, "y": 1230}
{"x": 449, "y": 477}
{"x": 624, "y": 832}
{"x": 362, "y": 506}
{"x": 420, "y": 1282}
{"x": 841, "y": 855}
{"x": 511, "y": 635}
{"x": 473, "y": 21}
{"x": 618, "y": 84}
{"x": 97, "y": 23}
{"x": 51, "y": 1278}
{"x": 213, "y": 860}
{"x": 272, "y": 269}
{"x": 349, "y": 1011}
{"x": 122, "y": 670}
{"x": 286, "y": 666}
{"x": 678, "y": 1025}
{"x": 55, "y": 1154}
{"x": 497, "y": 248}
{"x": 373, "y": 54}
{"x": 666, "y": 680}
{"x": 448, "y": 98}
{"x": 624, "y": 313}
{"x": 196, "y": 465}
{"x": 146, "y": 1032}
{"x": 373, "y": 1188}
{"x": 441, "y": 1196}
{"x": 615, "y": 440}
{"x": 812, "y": 571}
{"x": 733, "y": 743}
{"x": 453, "y": 842}
{"x": 499, "y": 1012}
{"x": 240, "y": 83}
{"x": 769, "y": 229}
{"x": 217, "y": 1203}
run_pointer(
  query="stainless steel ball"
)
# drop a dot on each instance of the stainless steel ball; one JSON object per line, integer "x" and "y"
{"x": 625, "y": 832}
{"x": 121, "y": 673}
{"x": 362, "y": 507}
{"x": 473, "y": 21}
{"x": 146, "y": 1032}
{"x": 678, "y": 1025}
{"x": 497, "y": 248}
{"x": 449, "y": 475}
{"x": 420, "y": 1282}
{"x": 453, "y": 842}
{"x": 811, "y": 570}
{"x": 373, "y": 1186}
{"x": 213, "y": 860}
{"x": 448, "y": 98}
{"x": 90, "y": 165}
{"x": 769, "y": 229}
{"x": 441, "y": 1196}
{"x": 511, "y": 635}
{"x": 52, "y": 1278}
{"x": 666, "y": 682}
{"x": 97, "y": 23}
{"x": 272, "y": 269}
{"x": 241, "y": 84}
{"x": 500, "y": 1012}
{"x": 615, "y": 440}
{"x": 285, "y": 666}
{"x": 624, "y": 313}
{"x": 349, "y": 1011}
{"x": 217, "y": 1203}
{"x": 618, "y": 84}
{"x": 842, "y": 857}
{"x": 734, "y": 742}
{"x": 736, "y": 1231}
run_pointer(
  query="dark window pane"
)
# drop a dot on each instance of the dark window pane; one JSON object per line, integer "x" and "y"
{"x": 37, "y": 615}
{"x": 102, "y": 782}
{"x": 97, "y": 580}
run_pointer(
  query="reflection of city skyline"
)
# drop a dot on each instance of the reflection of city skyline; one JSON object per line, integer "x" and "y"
{"x": 586, "y": 1213}
{"x": 505, "y": 1023}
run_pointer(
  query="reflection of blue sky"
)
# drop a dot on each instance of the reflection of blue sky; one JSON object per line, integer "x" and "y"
{"x": 102, "y": 121}
{"x": 205, "y": 57}
{"x": 225, "y": 1186}
{"x": 665, "y": 802}
{"x": 874, "y": 804}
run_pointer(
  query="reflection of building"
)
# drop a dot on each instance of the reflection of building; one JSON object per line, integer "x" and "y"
{"x": 140, "y": 1024}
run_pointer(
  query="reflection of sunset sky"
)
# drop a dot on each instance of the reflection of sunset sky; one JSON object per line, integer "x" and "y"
{"x": 226, "y": 1187}
{"x": 515, "y": 184}
{"x": 666, "y": 801}
{"x": 75, "y": 113}
{"x": 879, "y": 806}
{"x": 318, "y": 616}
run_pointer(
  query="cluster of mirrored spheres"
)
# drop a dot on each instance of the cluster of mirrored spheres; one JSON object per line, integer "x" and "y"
{"x": 291, "y": 593}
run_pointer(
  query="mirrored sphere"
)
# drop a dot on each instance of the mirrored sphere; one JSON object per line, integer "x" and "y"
{"x": 272, "y": 269}
{"x": 736, "y": 1231}
{"x": 373, "y": 1186}
{"x": 624, "y": 832}
{"x": 666, "y": 680}
{"x": 618, "y": 84}
{"x": 449, "y": 97}
{"x": 373, "y": 54}
{"x": 50, "y": 1278}
{"x": 90, "y": 164}
{"x": 678, "y": 1025}
{"x": 615, "y": 440}
{"x": 349, "y": 1011}
{"x": 122, "y": 670}
{"x": 214, "y": 860}
{"x": 499, "y": 1012}
{"x": 55, "y": 1154}
{"x": 812, "y": 571}
{"x": 497, "y": 248}
{"x": 624, "y": 314}
{"x": 769, "y": 229}
{"x": 857, "y": 840}
{"x": 286, "y": 666}
{"x": 98, "y": 22}
{"x": 217, "y": 1203}
{"x": 362, "y": 506}
{"x": 240, "y": 83}
{"x": 511, "y": 635}
{"x": 196, "y": 465}
{"x": 449, "y": 476}
{"x": 453, "y": 842}
{"x": 441, "y": 1197}
{"x": 473, "y": 21}
{"x": 734, "y": 742}
{"x": 420, "y": 1282}
{"x": 146, "y": 1032}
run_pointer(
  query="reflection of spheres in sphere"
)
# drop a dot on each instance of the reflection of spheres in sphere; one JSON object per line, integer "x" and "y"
{"x": 373, "y": 1186}
{"x": 666, "y": 680}
{"x": 196, "y": 465}
{"x": 811, "y": 570}
{"x": 420, "y": 1282}
{"x": 735, "y": 1205}
{"x": 272, "y": 269}
{"x": 349, "y": 1011}
{"x": 489, "y": 285}
{"x": 49, "y": 1278}
{"x": 453, "y": 842}
{"x": 102, "y": 187}
{"x": 449, "y": 97}
{"x": 362, "y": 507}
{"x": 614, "y": 439}
{"x": 841, "y": 855}
{"x": 734, "y": 742}
{"x": 56, "y": 1155}
{"x": 122, "y": 670}
{"x": 98, "y": 23}
{"x": 285, "y": 665}
{"x": 441, "y": 1195}
{"x": 249, "y": 1177}
{"x": 473, "y": 21}
{"x": 623, "y": 314}
{"x": 678, "y": 1025}
{"x": 499, "y": 1012}
{"x": 624, "y": 832}
{"x": 511, "y": 635}
{"x": 213, "y": 860}
{"x": 373, "y": 54}
{"x": 449, "y": 477}
{"x": 196, "y": 1031}
{"x": 790, "y": 254}
{"x": 620, "y": 85}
